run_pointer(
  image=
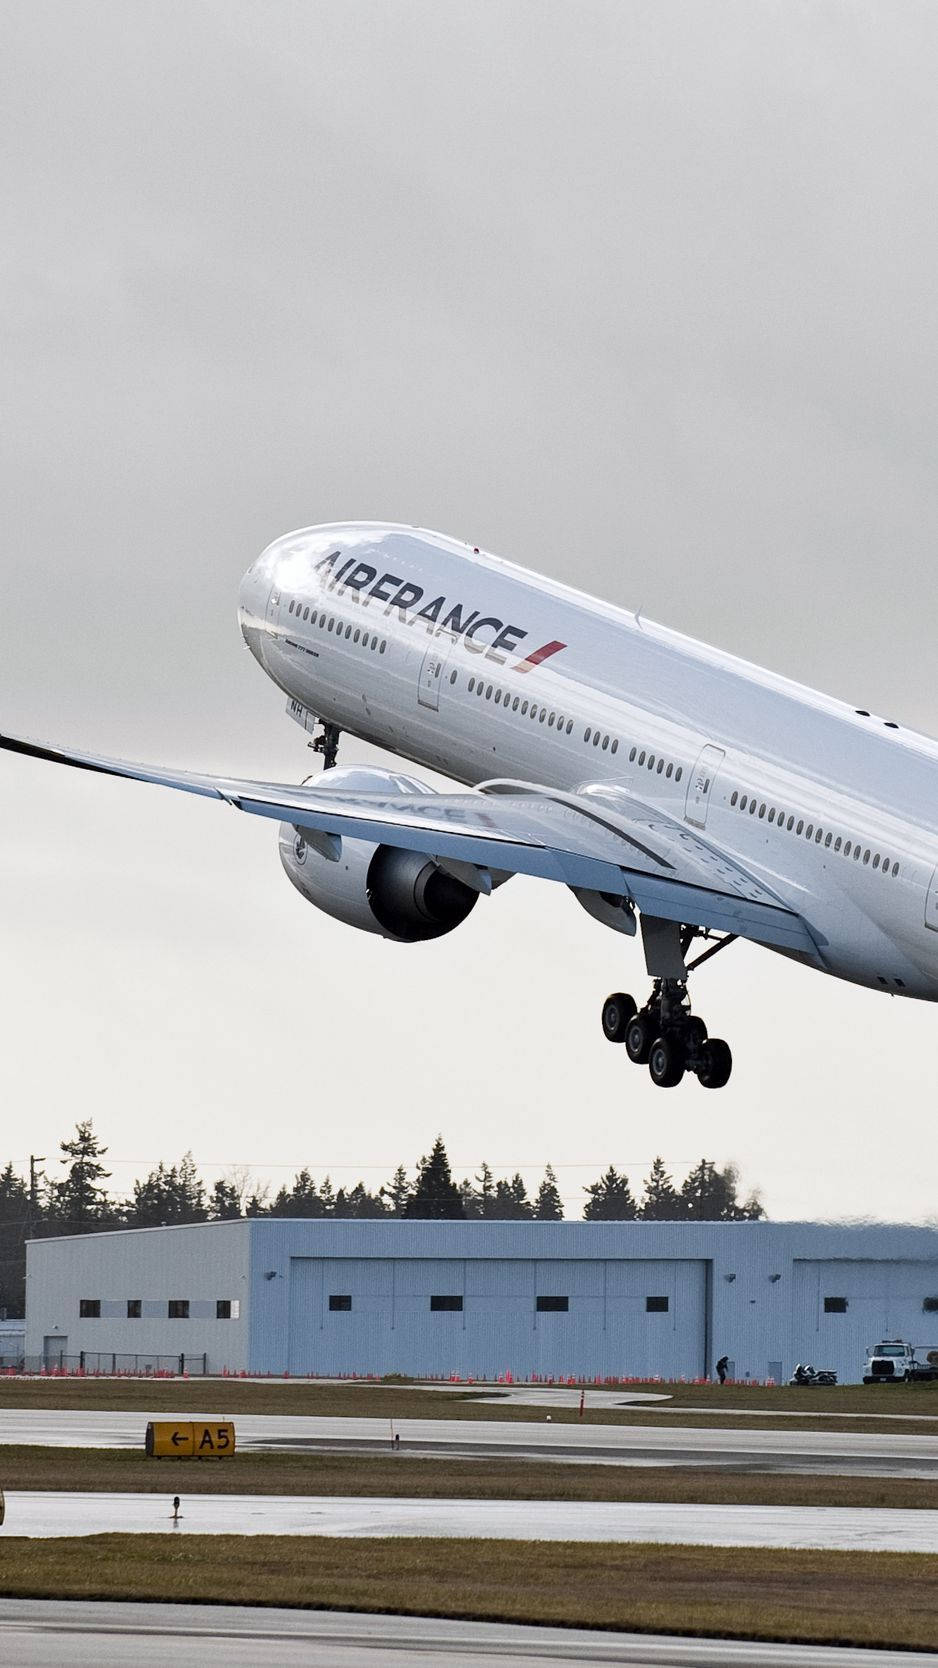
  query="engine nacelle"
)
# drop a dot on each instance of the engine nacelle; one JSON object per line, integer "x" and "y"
{"x": 403, "y": 895}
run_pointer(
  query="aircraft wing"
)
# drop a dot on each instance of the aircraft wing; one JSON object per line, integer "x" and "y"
{"x": 604, "y": 841}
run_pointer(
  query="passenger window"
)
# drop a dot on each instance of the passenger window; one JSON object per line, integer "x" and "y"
{"x": 569, "y": 726}
{"x": 615, "y": 749}
{"x": 734, "y": 797}
{"x": 819, "y": 836}
{"x": 290, "y": 610}
{"x": 472, "y": 685}
{"x": 587, "y": 734}
{"x": 515, "y": 703}
{"x": 876, "y": 861}
{"x": 356, "y": 634}
{"x": 498, "y": 697}
{"x": 668, "y": 773}
{"x": 866, "y": 856}
{"x": 660, "y": 763}
{"x": 838, "y": 843}
{"x": 605, "y": 743}
{"x": 895, "y": 868}
{"x": 678, "y": 774}
{"x": 809, "y": 831}
{"x": 632, "y": 756}
{"x": 651, "y": 761}
{"x": 772, "y": 814}
{"x": 753, "y": 807}
{"x": 524, "y": 708}
{"x": 595, "y": 738}
{"x": 542, "y": 715}
{"x": 452, "y": 677}
{"x": 306, "y": 613}
{"x": 828, "y": 839}
{"x": 800, "y": 828}
{"x": 488, "y": 692}
{"x": 762, "y": 810}
{"x": 383, "y": 645}
{"x": 641, "y": 758}
{"x": 744, "y": 802}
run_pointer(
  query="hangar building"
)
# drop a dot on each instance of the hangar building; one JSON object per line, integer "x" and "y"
{"x": 480, "y": 1299}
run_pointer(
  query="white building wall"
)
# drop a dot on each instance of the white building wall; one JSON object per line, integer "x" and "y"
{"x": 200, "y": 1264}
{"x": 752, "y": 1291}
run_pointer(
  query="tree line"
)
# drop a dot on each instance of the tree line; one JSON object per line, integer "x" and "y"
{"x": 79, "y": 1201}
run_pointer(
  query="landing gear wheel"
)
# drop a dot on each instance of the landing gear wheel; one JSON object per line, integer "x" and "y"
{"x": 695, "y": 1034}
{"x": 618, "y": 1010}
{"x": 639, "y": 1037}
{"x": 716, "y": 1063}
{"x": 667, "y": 1061}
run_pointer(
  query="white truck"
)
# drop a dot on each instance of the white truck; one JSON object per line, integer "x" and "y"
{"x": 895, "y": 1362}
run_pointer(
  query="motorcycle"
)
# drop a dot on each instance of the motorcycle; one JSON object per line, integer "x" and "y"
{"x": 806, "y": 1374}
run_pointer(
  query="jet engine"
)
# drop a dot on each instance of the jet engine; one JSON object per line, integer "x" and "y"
{"x": 403, "y": 895}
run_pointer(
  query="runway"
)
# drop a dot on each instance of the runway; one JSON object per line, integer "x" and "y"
{"x": 51, "y": 1514}
{"x": 844, "y": 1453}
{"x": 58, "y": 1634}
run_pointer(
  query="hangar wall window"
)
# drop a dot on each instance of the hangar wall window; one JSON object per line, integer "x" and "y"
{"x": 657, "y": 1305}
{"x": 340, "y": 1301}
{"x": 930, "y": 1305}
{"x": 552, "y": 1305}
{"x": 134, "y": 1308}
{"x": 223, "y": 1308}
{"x": 835, "y": 1305}
{"x": 89, "y": 1308}
{"x": 177, "y": 1308}
{"x": 445, "y": 1301}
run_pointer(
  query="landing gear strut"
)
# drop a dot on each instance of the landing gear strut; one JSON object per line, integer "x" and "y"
{"x": 665, "y": 1035}
{"x": 327, "y": 743}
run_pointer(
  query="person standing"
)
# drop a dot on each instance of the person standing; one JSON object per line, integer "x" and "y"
{"x": 722, "y": 1365}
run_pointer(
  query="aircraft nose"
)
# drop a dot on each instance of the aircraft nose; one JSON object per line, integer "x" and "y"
{"x": 252, "y": 597}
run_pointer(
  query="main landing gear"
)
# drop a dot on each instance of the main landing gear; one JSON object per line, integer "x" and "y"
{"x": 664, "y": 1035}
{"x": 327, "y": 743}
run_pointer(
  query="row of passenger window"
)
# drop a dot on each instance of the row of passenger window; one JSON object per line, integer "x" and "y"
{"x": 655, "y": 762}
{"x": 813, "y": 831}
{"x": 528, "y": 709}
{"x": 452, "y": 1302}
{"x": 329, "y": 622}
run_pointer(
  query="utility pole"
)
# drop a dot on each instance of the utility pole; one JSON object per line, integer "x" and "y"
{"x": 34, "y": 1175}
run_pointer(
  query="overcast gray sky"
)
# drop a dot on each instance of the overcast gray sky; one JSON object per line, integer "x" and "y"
{"x": 639, "y": 295}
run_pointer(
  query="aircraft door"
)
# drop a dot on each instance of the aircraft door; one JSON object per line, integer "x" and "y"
{"x": 931, "y": 903}
{"x": 432, "y": 668}
{"x": 700, "y": 786}
{"x": 273, "y": 608}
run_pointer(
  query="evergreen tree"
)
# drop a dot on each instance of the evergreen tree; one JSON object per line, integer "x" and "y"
{"x": 358, "y": 1204}
{"x": 79, "y": 1203}
{"x": 302, "y": 1199}
{"x": 397, "y": 1192}
{"x": 548, "y": 1206}
{"x": 485, "y": 1192}
{"x": 326, "y": 1197}
{"x": 660, "y": 1200}
{"x": 167, "y": 1196}
{"x": 511, "y": 1202}
{"x": 224, "y": 1203}
{"x": 709, "y": 1195}
{"x": 435, "y": 1195}
{"x": 610, "y": 1199}
{"x": 14, "y": 1218}
{"x": 470, "y": 1200}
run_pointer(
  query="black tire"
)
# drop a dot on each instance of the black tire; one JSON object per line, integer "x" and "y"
{"x": 639, "y": 1036}
{"x": 667, "y": 1061}
{"x": 716, "y": 1063}
{"x": 695, "y": 1034}
{"x": 618, "y": 1010}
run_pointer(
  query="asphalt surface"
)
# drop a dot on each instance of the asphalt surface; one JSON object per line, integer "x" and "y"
{"x": 49, "y": 1513}
{"x": 56, "y": 1634}
{"x": 845, "y": 1453}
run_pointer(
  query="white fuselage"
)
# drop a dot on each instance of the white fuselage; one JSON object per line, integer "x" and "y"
{"x": 454, "y": 659}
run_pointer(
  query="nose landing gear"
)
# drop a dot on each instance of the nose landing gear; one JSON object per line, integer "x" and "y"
{"x": 665, "y": 1035}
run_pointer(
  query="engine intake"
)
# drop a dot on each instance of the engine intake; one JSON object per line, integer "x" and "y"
{"x": 402, "y": 895}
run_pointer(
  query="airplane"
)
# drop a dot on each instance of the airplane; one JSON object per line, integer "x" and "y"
{"x": 674, "y": 789}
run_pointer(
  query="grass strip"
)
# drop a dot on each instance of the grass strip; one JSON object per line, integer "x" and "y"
{"x": 400, "y": 1476}
{"x": 849, "y": 1598}
{"x": 231, "y": 1397}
